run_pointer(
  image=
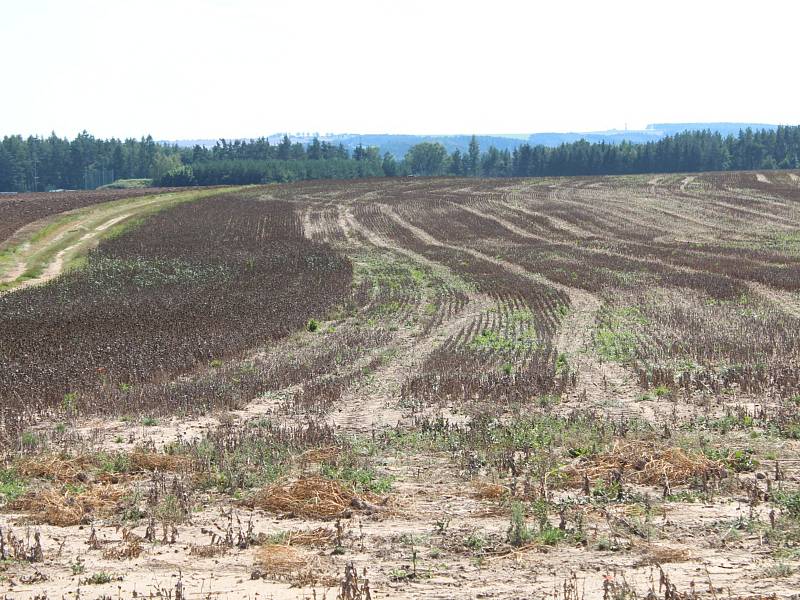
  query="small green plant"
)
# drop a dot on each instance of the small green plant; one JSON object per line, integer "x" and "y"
{"x": 475, "y": 542}
{"x": 130, "y": 508}
{"x": 170, "y": 511}
{"x": 614, "y": 338}
{"x": 215, "y": 364}
{"x": 789, "y": 502}
{"x": 69, "y": 402}
{"x": 100, "y": 578}
{"x": 77, "y": 567}
{"x": 740, "y": 460}
{"x": 688, "y": 496}
{"x": 399, "y": 575}
{"x": 11, "y": 486}
{"x": 548, "y": 535}
{"x": 29, "y": 440}
{"x": 149, "y": 421}
{"x": 364, "y": 479}
{"x": 312, "y": 325}
{"x": 661, "y": 391}
{"x": 581, "y": 451}
{"x": 505, "y": 341}
{"x": 547, "y": 400}
{"x": 114, "y": 463}
{"x": 779, "y": 570}
{"x": 441, "y": 525}
{"x": 518, "y": 533}
{"x": 279, "y": 538}
{"x": 508, "y": 368}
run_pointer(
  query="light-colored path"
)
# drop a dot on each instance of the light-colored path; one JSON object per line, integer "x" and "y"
{"x": 53, "y": 244}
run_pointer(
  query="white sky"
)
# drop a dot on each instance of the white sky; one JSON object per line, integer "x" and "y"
{"x": 243, "y": 68}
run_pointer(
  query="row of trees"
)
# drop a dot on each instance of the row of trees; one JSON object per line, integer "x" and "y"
{"x": 85, "y": 162}
{"x": 38, "y": 164}
{"x": 685, "y": 152}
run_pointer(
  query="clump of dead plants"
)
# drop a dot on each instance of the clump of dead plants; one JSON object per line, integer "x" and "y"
{"x": 647, "y": 464}
{"x": 353, "y": 587}
{"x": 143, "y": 460}
{"x": 56, "y": 467}
{"x": 314, "y": 497}
{"x": 69, "y": 505}
{"x": 21, "y": 549}
{"x": 234, "y": 533}
{"x": 281, "y": 562}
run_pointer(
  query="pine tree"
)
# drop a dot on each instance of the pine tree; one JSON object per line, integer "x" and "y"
{"x": 474, "y": 157}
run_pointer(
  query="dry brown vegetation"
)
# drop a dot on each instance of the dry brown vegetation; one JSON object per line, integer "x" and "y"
{"x": 557, "y": 389}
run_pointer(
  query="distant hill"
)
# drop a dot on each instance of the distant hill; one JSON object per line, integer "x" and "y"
{"x": 398, "y": 145}
{"x": 723, "y": 128}
{"x": 651, "y": 133}
{"x": 612, "y": 136}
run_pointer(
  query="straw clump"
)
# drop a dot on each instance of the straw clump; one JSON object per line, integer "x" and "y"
{"x": 153, "y": 461}
{"x": 490, "y": 491}
{"x": 55, "y": 467}
{"x": 65, "y": 507}
{"x": 312, "y": 497}
{"x": 646, "y": 464}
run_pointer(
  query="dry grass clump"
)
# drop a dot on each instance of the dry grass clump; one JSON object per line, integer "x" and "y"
{"x": 128, "y": 550}
{"x": 153, "y": 461}
{"x": 647, "y": 464}
{"x": 55, "y": 467}
{"x": 662, "y": 556}
{"x": 280, "y": 561}
{"x": 319, "y": 537}
{"x": 490, "y": 491}
{"x": 310, "y": 497}
{"x": 318, "y": 455}
{"x": 64, "y": 507}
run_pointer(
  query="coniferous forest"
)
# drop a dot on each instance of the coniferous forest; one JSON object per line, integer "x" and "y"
{"x": 86, "y": 162}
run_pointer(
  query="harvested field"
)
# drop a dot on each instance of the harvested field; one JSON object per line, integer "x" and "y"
{"x": 561, "y": 389}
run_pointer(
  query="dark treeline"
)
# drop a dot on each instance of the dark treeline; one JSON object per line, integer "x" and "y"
{"x": 684, "y": 152}
{"x": 86, "y": 162}
{"x": 691, "y": 151}
{"x": 258, "y": 161}
{"x": 40, "y": 164}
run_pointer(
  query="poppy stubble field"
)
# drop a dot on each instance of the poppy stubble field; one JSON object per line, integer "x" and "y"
{"x": 406, "y": 388}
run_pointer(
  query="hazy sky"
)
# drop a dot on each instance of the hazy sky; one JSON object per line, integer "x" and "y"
{"x": 242, "y": 68}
